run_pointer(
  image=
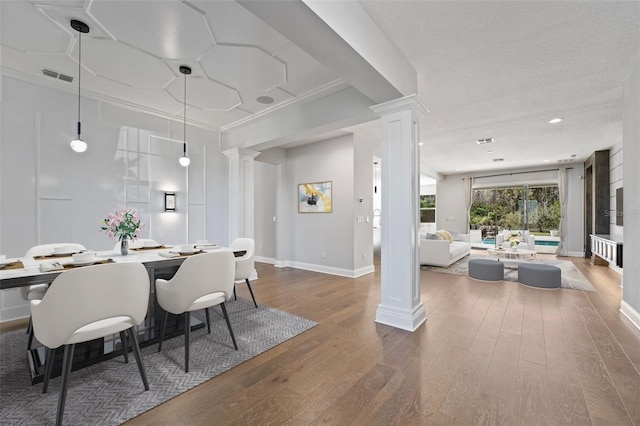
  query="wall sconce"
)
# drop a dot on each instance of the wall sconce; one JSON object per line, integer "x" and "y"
{"x": 169, "y": 201}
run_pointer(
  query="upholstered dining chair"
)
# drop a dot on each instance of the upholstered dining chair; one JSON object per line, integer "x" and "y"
{"x": 89, "y": 303}
{"x": 245, "y": 263}
{"x": 202, "y": 281}
{"x": 36, "y": 292}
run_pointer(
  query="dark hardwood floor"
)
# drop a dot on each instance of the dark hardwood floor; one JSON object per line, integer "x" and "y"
{"x": 489, "y": 353}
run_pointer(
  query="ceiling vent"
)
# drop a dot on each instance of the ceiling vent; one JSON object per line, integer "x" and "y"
{"x": 565, "y": 161}
{"x": 55, "y": 74}
{"x": 484, "y": 141}
{"x": 497, "y": 160}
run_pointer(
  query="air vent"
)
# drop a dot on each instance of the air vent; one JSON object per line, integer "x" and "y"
{"x": 484, "y": 141}
{"x": 55, "y": 74}
{"x": 497, "y": 160}
{"x": 565, "y": 161}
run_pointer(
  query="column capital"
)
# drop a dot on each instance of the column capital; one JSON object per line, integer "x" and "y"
{"x": 236, "y": 152}
{"x": 411, "y": 102}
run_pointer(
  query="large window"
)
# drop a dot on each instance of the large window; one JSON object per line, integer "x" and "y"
{"x": 428, "y": 208}
{"x": 536, "y": 208}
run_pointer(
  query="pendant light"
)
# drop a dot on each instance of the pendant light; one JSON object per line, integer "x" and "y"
{"x": 184, "y": 160}
{"x": 78, "y": 145}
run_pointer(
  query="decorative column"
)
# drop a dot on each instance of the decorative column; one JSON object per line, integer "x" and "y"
{"x": 241, "y": 214}
{"x": 400, "y": 304}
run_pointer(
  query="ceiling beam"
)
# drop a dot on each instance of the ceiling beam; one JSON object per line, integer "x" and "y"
{"x": 341, "y": 36}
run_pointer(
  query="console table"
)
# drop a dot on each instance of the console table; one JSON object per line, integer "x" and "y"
{"x": 606, "y": 248}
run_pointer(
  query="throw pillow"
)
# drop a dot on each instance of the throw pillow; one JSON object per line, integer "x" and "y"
{"x": 444, "y": 235}
{"x": 430, "y": 236}
{"x": 455, "y": 235}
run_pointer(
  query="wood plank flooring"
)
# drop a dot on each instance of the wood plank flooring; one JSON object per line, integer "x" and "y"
{"x": 489, "y": 353}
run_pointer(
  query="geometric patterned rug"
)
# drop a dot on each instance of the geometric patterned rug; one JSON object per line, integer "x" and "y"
{"x": 111, "y": 392}
{"x": 571, "y": 276}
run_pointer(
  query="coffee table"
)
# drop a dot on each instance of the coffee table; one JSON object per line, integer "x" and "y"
{"x": 512, "y": 257}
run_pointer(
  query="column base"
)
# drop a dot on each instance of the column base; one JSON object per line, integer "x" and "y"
{"x": 401, "y": 318}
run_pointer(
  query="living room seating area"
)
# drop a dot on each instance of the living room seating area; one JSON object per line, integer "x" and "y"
{"x": 443, "y": 248}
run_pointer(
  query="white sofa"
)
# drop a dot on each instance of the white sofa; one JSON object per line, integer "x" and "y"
{"x": 442, "y": 252}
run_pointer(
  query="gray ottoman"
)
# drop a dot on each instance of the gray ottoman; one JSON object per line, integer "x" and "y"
{"x": 538, "y": 275}
{"x": 486, "y": 269}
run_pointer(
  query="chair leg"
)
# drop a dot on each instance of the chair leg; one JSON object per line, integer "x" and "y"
{"x": 48, "y": 366}
{"x": 162, "y": 327}
{"x": 251, "y": 291}
{"x": 66, "y": 372}
{"x": 206, "y": 312}
{"x": 30, "y": 341}
{"x": 30, "y": 326}
{"x": 136, "y": 352}
{"x": 226, "y": 318}
{"x": 125, "y": 346}
{"x": 187, "y": 334}
{"x": 235, "y": 296}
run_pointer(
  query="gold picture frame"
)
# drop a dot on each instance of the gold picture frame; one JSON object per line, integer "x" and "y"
{"x": 315, "y": 197}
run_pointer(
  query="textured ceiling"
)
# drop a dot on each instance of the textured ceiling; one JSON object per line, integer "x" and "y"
{"x": 504, "y": 69}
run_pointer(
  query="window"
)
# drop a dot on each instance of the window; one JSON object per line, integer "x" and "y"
{"x": 428, "y": 208}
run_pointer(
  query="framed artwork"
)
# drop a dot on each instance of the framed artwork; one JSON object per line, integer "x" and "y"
{"x": 169, "y": 201}
{"x": 314, "y": 197}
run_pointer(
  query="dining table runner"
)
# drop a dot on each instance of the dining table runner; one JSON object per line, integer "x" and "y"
{"x": 14, "y": 265}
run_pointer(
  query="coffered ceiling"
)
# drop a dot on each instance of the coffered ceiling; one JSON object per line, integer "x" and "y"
{"x": 484, "y": 69}
{"x": 134, "y": 49}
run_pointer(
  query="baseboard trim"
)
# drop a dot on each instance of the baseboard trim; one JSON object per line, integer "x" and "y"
{"x": 269, "y": 260}
{"x": 630, "y": 313}
{"x": 349, "y": 273}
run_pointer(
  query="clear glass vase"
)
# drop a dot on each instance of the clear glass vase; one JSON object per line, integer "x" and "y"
{"x": 124, "y": 246}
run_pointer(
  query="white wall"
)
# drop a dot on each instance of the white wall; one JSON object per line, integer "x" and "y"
{"x": 326, "y": 242}
{"x": 265, "y": 192}
{"x": 631, "y": 141}
{"x": 52, "y": 194}
{"x": 451, "y": 208}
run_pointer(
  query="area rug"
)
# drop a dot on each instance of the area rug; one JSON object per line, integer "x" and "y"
{"x": 571, "y": 276}
{"x": 111, "y": 392}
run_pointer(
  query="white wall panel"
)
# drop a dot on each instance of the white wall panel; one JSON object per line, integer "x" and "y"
{"x": 130, "y": 163}
{"x": 265, "y": 185}
{"x": 56, "y": 221}
{"x": 196, "y": 223}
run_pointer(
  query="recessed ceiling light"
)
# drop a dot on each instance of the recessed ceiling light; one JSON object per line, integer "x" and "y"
{"x": 457, "y": 170}
{"x": 555, "y": 120}
{"x": 490, "y": 151}
{"x": 546, "y": 161}
{"x": 484, "y": 141}
{"x": 421, "y": 143}
{"x": 265, "y": 99}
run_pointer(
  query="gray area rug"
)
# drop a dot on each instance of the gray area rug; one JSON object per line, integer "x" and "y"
{"x": 111, "y": 392}
{"x": 571, "y": 276}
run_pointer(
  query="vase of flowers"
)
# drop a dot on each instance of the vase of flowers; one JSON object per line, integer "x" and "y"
{"x": 125, "y": 225}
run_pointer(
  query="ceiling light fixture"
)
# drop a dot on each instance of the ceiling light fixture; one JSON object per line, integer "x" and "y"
{"x": 555, "y": 120}
{"x": 78, "y": 145}
{"x": 184, "y": 160}
{"x": 265, "y": 100}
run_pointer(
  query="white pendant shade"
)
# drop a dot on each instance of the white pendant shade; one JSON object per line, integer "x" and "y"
{"x": 184, "y": 160}
{"x": 78, "y": 145}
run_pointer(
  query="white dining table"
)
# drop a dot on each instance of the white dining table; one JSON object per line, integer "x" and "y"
{"x": 161, "y": 261}
{"x": 152, "y": 259}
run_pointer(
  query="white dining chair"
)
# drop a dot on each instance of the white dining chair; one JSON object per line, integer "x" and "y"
{"x": 245, "y": 263}
{"x": 202, "y": 281}
{"x": 88, "y": 303}
{"x": 36, "y": 292}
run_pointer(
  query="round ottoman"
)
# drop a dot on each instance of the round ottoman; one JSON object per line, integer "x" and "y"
{"x": 538, "y": 275}
{"x": 486, "y": 269}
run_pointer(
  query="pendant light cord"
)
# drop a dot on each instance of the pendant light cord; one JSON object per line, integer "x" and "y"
{"x": 184, "y": 118}
{"x": 79, "y": 76}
